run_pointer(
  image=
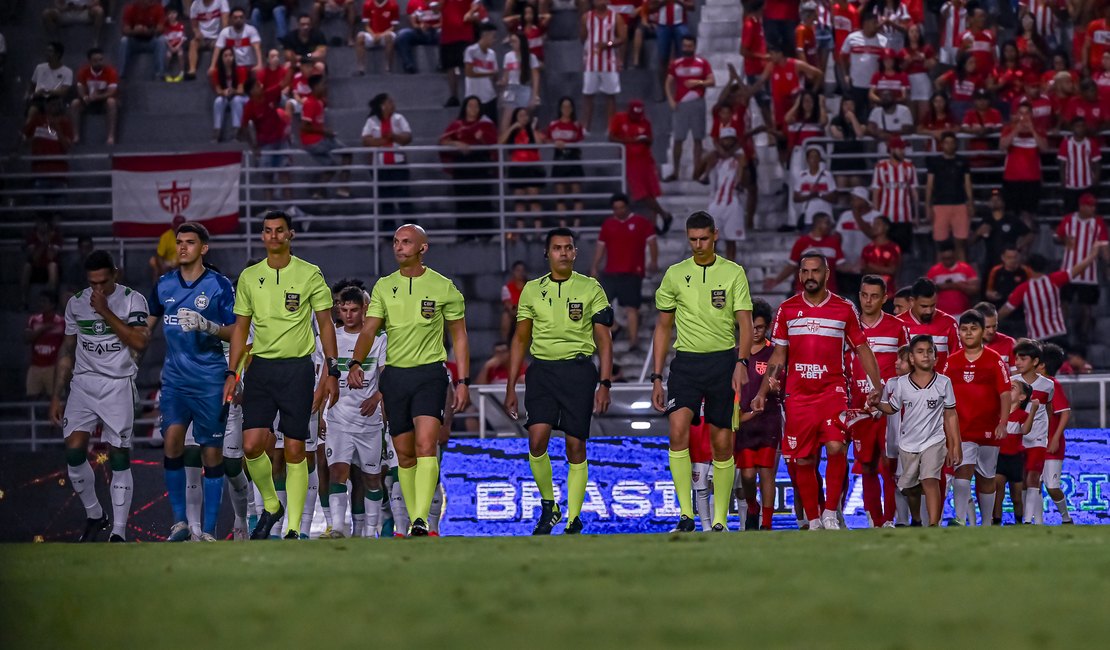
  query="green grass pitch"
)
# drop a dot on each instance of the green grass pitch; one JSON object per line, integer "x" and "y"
{"x": 943, "y": 588}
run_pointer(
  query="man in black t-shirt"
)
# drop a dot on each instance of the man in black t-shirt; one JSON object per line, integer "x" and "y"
{"x": 305, "y": 41}
{"x": 999, "y": 230}
{"x": 948, "y": 198}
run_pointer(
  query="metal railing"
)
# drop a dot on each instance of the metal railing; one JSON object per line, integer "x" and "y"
{"x": 27, "y": 424}
{"x": 343, "y": 201}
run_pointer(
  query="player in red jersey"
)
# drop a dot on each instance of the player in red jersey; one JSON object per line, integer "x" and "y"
{"x": 1000, "y": 342}
{"x": 760, "y": 434}
{"x": 981, "y": 382}
{"x": 810, "y": 332}
{"x": 885, "y": 334}
{"x": 924, "y": 318}
{"x": 1059, "y": 415}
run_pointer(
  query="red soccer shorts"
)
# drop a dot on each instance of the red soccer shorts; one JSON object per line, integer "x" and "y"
{"x": 811, "y": 421}
{"x": 749, "y": 458}
{"x": 868, "y": 439}
{"x": 1034, "y": 459}
{"x": 701, "y": 447}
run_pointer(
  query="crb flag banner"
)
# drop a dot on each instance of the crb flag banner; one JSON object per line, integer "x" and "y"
{"x": 149, "y": 192}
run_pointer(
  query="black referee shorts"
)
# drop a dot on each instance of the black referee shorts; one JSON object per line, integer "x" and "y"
{"x": 561, "y": 394}
{"x": 284, "y": 386}
{"x": 408, "y": 393}
{"x": 625, "y": 288}
{"x": 699, "y": 376}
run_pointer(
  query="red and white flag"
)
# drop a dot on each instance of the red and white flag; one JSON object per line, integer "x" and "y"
{"x": 148, "y": 192}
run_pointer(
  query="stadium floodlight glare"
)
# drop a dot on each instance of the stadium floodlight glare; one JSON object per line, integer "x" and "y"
{"x": 641, "y": 405}
{"x": 640, "y": 425}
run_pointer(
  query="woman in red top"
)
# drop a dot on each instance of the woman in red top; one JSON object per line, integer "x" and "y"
{"x": 567, "y": 171}
{"x": 524, "y": 171}
{"x": 938, "y": 118}
{"x": 1029, "y": 41}
{"x": 471, "y": 129}
{"x": 918, "y": 59}
{"x": 227, "y": 80}
{"x": 1021, "y": 174}
{"x": 890, "y": 77}
{"x": 276, "y": 74}
{"x": 533, "y": 28}
{"x": 961, "y": 83}
{"x": 1007, "y": 79}
{"x": 805, "y": 120}
{"x": 1059, "y": 64}
{"x": 1061, "y": 92}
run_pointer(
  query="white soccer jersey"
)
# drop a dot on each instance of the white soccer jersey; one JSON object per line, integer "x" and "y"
{"x": 99, "y": 349}
{"x": 208, "y": 16}
{"x": 242, "y": 41}
{"x": 723, "y": 179}
{"x": 921, "y": 409}
{"x": 1043, "y": 390}
{"x": 345, "y": 414}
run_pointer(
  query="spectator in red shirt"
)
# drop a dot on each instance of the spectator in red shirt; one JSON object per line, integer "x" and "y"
{"x": 821, "y": 239}
{"x": 1044, "y": 118}
{"x": 980, "y": 41}
{"x": 1021, "y": 176}
{"x": 687, "y": 79}
{"x": 1097, "y": 41}
{"x": 1080, "y": 164}
{"x": 228, "y": 82}
{"x": 43, "y": 244}
{"x": 379, "y": 24}
{"x": 49, "y": 134}
{"x": 510, "y": 298}
{"x": 962, "y": 82}
{"x": 266, "y": 128}
{"x": 890, "y": 77}
{"x": 753, "y": 41}
{"x": 1085, "y": 106}
{"x": 423, "y": 29}
{"x": 564, "y": 132}
{"x": 957, "y": 282}
{"x": 320, "y": 142}
{"x": 623, "y": 239}
{"x": 632, "y": 129}
{"x": 785, "y": 76}
{"x": 97, "y": 84}
{"x": 458, "y": 19}
{"x": 780, "y": 20}
{"x": 141, "y": 27}
{"x": 938, "y": 119}
{"x": 44, "y": 333}
{"x": 525, "y": 172}
{"x": 983, "y": 121}
{"x": 469, "y": 130}
{"x": 882, "y": 256}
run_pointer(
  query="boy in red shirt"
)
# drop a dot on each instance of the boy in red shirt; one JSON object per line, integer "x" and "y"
{"x": 1059, "y": 415}
{"x": 319, "y": 141}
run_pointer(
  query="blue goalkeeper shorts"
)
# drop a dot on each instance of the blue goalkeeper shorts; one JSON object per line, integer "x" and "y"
{"x": 205, "y": 410}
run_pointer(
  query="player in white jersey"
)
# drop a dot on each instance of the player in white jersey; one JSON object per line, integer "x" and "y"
{"x": 104, "y": 324}
{"x": 727, "y": 178}
{"x": 354, "y": 424}
{"x": 930, "y": 436}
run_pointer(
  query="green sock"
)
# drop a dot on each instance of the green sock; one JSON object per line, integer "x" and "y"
{"x": 541, "y": 470}
{"x": 427, "y": 477}
{"x": 576, "y": 488}
{"x": 264, "y": 472}
{"x": 680, "y": 474}
{"x": 406, "y": 476}
{"x": 724, "y": 473}
{"x": 296, "y": 487}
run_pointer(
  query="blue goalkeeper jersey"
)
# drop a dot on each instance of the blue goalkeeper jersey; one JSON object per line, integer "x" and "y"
{"x": 193, "y": 359}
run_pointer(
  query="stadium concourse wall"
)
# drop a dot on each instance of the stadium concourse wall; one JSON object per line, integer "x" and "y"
{"x": 490, "y": 490}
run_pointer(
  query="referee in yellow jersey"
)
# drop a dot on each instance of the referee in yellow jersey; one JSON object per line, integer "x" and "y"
{"x": 279, "y": 296}
{"x": 706, "y": 297}
{"x": 566, "y": 318}
{"x": 413, "y": 304}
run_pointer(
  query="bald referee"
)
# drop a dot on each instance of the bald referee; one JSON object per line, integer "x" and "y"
{"x": 566, "y": 318}
{"x": 705, "y": 297}
{"x": 413, "y": 303}
{"x": 279, "y": 296}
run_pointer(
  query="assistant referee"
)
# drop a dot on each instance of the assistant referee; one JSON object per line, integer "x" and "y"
{"x": 413, "y": 303}
{"x": 706, "y": 297}
{"x": 566, "y": 318}
{"x": 279, "y": 296}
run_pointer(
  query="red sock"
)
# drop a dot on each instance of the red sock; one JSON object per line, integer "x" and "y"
{"x": 820, "y": 483}
{"x": 890, "y": 503}
{"x": 834, "y": 480}
{"x": 808, "y": 485}
{"x": 768, "y": 513}
{"x": 753, "y": 505}
{"x": 873, "y": 498}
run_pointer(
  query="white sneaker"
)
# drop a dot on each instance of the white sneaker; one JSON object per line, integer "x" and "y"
{"x": 179, "y": 532}
{"x": 815, "y": 524}
{"x": 239, "y": 534}
{"x": 205, "y": 537}
{"x": 889, "y": 524}
{"x": 841, "y": 520}
{"x": 829, "y": 522}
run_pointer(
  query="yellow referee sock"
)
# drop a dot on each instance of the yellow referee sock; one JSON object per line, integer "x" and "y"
{"x": 680, "y": 474}
{"x": 262, "y": 473}
{"x": 427, "y": 477}
{"x": 406, "y": 476}
{"x": 724, "y": 473}
{"x": 576, "y": 488}
{"x": 296, "y": 487}
{"x": 541, "y": 471}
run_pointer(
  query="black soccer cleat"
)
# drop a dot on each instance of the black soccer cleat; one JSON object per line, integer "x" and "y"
{"x": 719, "y": 528}
{"x": 292, "y": 534}
{"x": 116, "y": 539}
{"x": 685, "y": 525}
{"x": 419, "y": 528}
{"x": 574, "y": 527}
{"x": 751, "y": 522}
{"x": 266, "y": 521}
{"x": 549, "y": 516}
{"x": 93, "y": 528}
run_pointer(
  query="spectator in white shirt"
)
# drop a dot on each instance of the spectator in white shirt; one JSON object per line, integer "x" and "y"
{"x": 244, "y": 38}
{"x": 480, "y": 61}
{"x": 889, "y": 119}
{"x": 208, "y": 18}
{"x": 387, "y": 129}
{"x": 859, "y": 59}
{"x": 814, "y": 190}
{"x": 50, "y": 79}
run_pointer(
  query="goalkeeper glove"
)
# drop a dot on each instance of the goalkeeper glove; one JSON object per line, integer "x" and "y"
{"x": 191, "y": 321}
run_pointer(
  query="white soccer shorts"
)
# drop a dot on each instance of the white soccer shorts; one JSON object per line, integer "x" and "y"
{"x": 233, "y": 433}
{"x": 983, "y": 457}
{"x": 729, "y": 219}
{"x": 368, "y": 41}
{"x": 1051, "y": 476}
{"x": 108, "y": 401}
{"x": 609, "y": 83}
{"x": 365, "y": 447}
{"x": 313, "y": 433}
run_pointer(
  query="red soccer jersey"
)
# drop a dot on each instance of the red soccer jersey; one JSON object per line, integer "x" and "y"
{"x": 914, "y": 62}
{"x": 888, "y": 254}
{"x": 962, "y": 90}
{"x": 567, "y": 132}
{"x": 271, "y": 78}
{"x": 1011, "y": 444}
{"x": 805, "y": 42}
{"x": 897, "y": 83}
{"x": 535, "y": 35}
{"x": 1023, "y": 158}
{"x": 1102, "y": 80}
{"x": 454, "y": 28}
{"x": 785, "y": 83}
{"x": 624, "y": 243}
{"x": 300, "y": 87}
{"x": 96, "y": 82}
{"x": 1089, "y": 112}
{"x": 815, "y": 337}
{"x": 829, "y": 246}
{"x": 884, "y": 338}
{"x": 629, "y": 131}
{"x": 269, "y": 125}
{"x": 952, "y": 301}
{"x": 1098, "y": 34}
{"x": 1044, "y": 315}
{"x": 978, "y": 386}
{"x": 981, "y": 45}
{"x": 895, "y": 182}
{"x": 756, "y": 42}
{"x": 1080, "y": 236}
{"x": 942, "y": 328}
{"x": 381, "y": 17}
{"x": 1060, "y": 404}
{"x": 845, "y": 21}
{"x": 44, "y": 350}
{"x": 1041, "y": 108}
{"x": 312, "y": 113}
{"x": 1003, "y": 344}
{"x": 689, "y": 68}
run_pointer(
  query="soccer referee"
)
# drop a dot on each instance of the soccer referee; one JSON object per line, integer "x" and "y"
{"x": 566, "y": 318}
{"x": 279, "y": 297}
{"x": 413, "y": 303}
{"x": 705, "y": 297}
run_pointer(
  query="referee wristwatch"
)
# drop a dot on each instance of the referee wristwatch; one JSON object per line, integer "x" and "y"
{"x": 743, "y": 360}
{"x": 465, "y": 381}
{"x": 608, "y": 383}
{"x": 653, "y": 377}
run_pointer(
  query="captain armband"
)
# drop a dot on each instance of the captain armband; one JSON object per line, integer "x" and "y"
{"x": 604, "y": 317}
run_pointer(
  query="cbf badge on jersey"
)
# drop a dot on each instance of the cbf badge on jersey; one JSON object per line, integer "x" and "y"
{"x": 292, "y": 301}
{"x": 717, "y": 298}
{"x": 427, "y": 308}
{"x": 574, "y": 310}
